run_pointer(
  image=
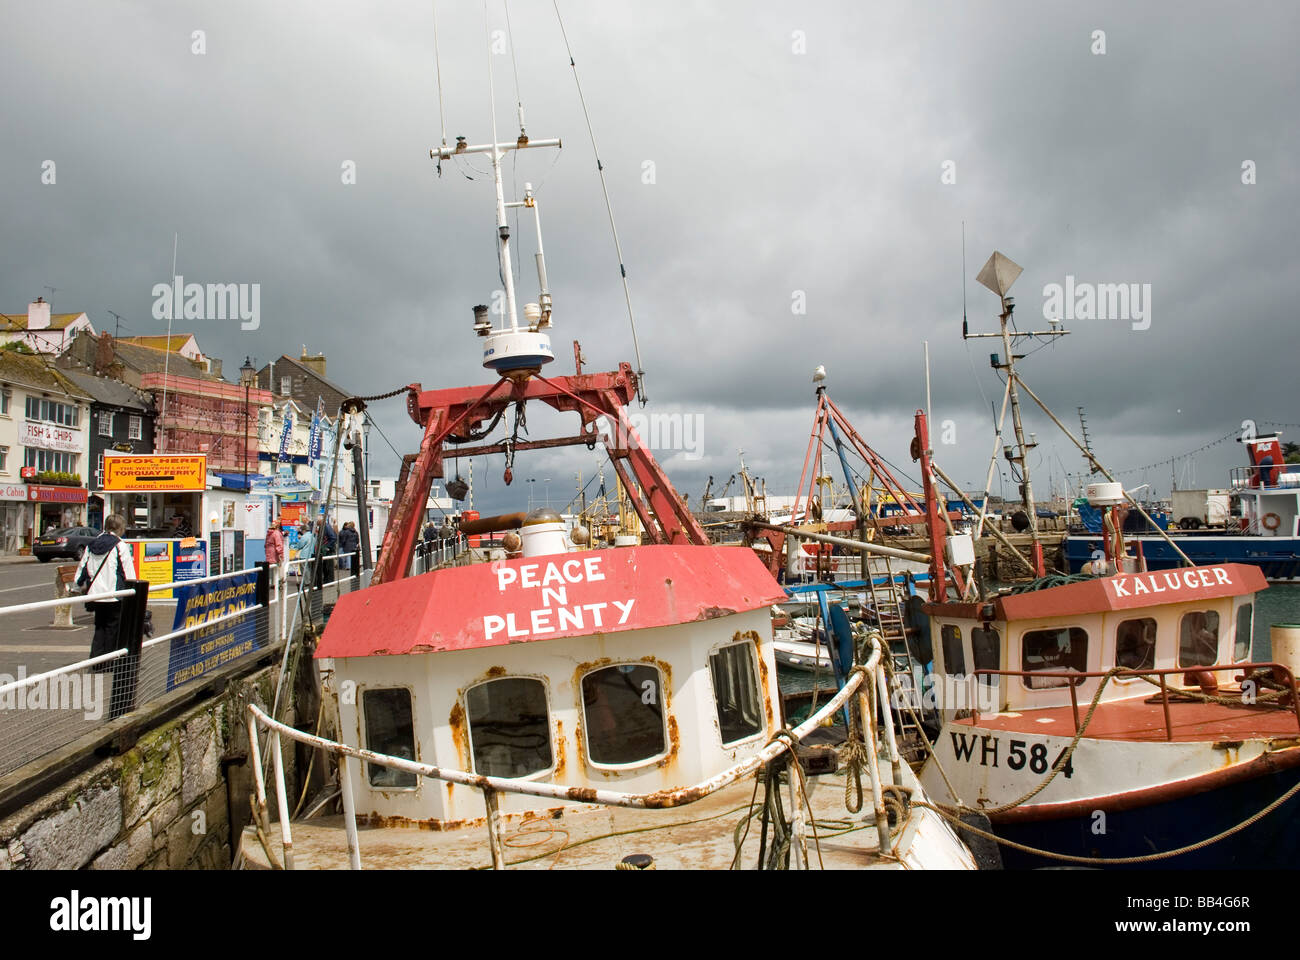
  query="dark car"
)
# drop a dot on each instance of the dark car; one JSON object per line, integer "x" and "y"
{"x": 68, "y": 542}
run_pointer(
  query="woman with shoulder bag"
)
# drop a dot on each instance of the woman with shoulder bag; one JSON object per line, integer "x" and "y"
{"x": 106, "y": 566}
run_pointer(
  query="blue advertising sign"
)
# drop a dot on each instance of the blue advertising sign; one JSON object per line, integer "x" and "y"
{"x": 313, "y": 447}
{"x": 284, "y": 437}
{"x": 207, "y": 649}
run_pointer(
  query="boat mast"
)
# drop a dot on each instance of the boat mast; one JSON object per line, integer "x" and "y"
{"x": 514, "y": 351}
{"x": 998, "y": 274}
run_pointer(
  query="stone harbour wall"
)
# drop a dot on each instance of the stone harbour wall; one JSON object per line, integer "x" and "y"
{"x": 165, "y": 803}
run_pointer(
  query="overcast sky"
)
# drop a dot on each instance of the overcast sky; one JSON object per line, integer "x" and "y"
{"x": 795, "y": 153}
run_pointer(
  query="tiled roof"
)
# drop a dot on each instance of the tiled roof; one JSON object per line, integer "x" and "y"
{"x": 18, "y": 321}
{"x": 110, "y": 392}
{"x": 304, "y": 391}
{"x": 35, "y": 371}
{"x": 160, "y": 342}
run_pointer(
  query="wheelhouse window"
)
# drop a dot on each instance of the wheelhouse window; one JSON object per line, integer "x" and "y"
{"x": 509, "y": 727}
{"x": 735, "y": 691}
{"x": 954, "y": 659}
{"x": 986, "y": 650}
{"x": 1135, "y": 644}
{"x": 1241, "y": 639}
{"x": 389, "y": 730}
{"x": 1059, "y": 650}
{"x": 1198, "y": 638}
{"x": 623, "y": 713}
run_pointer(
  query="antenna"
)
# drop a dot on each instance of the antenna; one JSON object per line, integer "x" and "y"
{"x": 511, "y": 350}
{"x": 117, "y": 330}
{"x": 964, "y": 328}
{"x": 998, "y": 274}
{"x": 1087, "y": 441}
{"x": 609, "y": 209}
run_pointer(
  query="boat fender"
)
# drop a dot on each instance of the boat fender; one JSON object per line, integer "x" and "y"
{"x": 1271, "y": 521}
{"x": 985, "y": 851}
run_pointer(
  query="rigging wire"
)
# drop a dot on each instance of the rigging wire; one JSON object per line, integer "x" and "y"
{"x": 609, "y": 208}
{"x": 437, "y": 66}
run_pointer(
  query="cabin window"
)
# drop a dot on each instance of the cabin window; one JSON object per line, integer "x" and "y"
{"x": 954, "y": 659}
{"x": 1241, "y": 640}
{"x": 1059, "y": 650}
{"x": 1135, "y": 644}
{"x": 509, "y": 727}
{"x": 389, "y": 730}
{"x": 623, "y": 709}
{"x": 986, "y": 650}
{"x": 735, "y": 689}
{"x": 1198, "y": 638}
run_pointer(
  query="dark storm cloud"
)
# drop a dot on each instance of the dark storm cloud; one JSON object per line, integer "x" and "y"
{"x": 777, "y": 175}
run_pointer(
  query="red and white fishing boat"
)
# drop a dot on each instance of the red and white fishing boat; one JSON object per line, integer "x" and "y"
{"x": 1118, "y": 716}
{"x": 547, "y": 702}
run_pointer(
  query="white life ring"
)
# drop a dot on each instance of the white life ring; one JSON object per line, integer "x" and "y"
{"x": 1271, "y": 521}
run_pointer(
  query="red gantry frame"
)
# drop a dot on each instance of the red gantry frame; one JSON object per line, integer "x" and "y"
{"x": 883, "y": 484}
{"x": 460, "y": 410}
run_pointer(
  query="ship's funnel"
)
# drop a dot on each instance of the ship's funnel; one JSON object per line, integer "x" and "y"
{"x": 1266, "y": 455}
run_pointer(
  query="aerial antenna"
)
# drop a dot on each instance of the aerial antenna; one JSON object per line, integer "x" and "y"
{"x": 437, "y": 68}
{"x": 1087, "y": 443}
{"x": 963, "y": 284}
{"x": 53, "y": 291}
{"x": 609, "y": 208}
{"x": 117, "y": 331}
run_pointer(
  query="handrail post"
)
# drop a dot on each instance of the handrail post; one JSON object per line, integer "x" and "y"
{"x": 873, "y": 768}
{"x": 1074, "y": 705}
{"x": 887, "y": 713}
{"x": 282, "y": 801}
{"x": 494, "y": 828}
{"x": 800, "y": 859}
{"x": 284, "y": 602}
{"x": 1164, "y": 699}
{"x": 349, "y": 811}
{"x": 256, "y": 751}
{"x": 130, "y": 634}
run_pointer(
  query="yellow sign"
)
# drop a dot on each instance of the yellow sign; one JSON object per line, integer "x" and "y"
{"x": 144, "y": 474}
{"x": 153, "y": 564}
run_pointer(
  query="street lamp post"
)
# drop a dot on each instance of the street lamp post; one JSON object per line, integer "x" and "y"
{"x": 246, "y": 373}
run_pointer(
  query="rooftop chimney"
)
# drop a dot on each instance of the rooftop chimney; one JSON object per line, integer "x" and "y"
{"x": 316, "y": 362}
{"x": 104, "y": 353}
{"x": 38, "y": 315}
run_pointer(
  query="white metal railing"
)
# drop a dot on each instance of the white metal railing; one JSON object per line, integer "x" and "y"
{"x": 871, "y": 672}
{"x": 64, "y": 602}
{"x": 26, "y": 733}
{"x": 159, "y": 587}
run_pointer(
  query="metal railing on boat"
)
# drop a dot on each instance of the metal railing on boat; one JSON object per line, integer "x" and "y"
{"x": 1076, "y": 678}
{"x": 862, "y": 680}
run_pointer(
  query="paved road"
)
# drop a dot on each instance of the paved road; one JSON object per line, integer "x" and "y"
{"x": 30, "y": 640}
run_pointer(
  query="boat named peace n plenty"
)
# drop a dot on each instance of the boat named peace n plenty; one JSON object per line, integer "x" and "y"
{"x": 545, "y": 702}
